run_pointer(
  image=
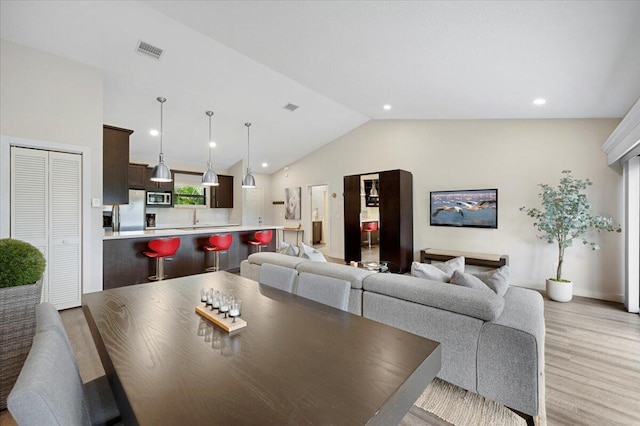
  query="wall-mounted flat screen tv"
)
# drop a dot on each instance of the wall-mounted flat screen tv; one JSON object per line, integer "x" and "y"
{"x": 474, "y": 208}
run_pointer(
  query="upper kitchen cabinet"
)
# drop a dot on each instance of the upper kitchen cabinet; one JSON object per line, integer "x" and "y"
{"x": 137, "y": 176}
{"x": 115, "y": 165}
{"x": 222, "y": 195}
{"x": 165, "y": 186}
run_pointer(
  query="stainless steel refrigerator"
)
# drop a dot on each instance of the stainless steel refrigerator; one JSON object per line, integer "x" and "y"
{"x": 130, "y": 217}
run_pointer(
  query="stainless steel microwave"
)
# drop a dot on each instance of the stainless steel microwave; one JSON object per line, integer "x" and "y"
{"x": 159, "y": 198}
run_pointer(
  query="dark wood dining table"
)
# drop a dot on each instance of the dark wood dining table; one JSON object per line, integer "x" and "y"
{"x": 297, "y": 362}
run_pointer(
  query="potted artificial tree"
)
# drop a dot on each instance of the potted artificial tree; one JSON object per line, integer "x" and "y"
{"x": 565, "y": 216}
{"x": 21, "y": 268}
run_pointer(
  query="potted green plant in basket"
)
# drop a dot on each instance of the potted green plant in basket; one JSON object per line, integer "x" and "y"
{"x": 21, "y": 268}
{"x": 566, "y": 215}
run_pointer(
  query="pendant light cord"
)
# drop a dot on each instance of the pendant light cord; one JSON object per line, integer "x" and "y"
{"x": 209, "y": 113}
{"x": 248, "y": 148}
{"x": 162, "y": 101}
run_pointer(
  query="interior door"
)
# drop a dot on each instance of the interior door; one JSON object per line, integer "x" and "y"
{"x": 29, "y": 201}
{"x": 65, "y": 195}
{"x": 252, "y": 206}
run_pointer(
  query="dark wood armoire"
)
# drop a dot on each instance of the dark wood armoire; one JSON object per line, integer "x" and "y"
{"x": 396, "y": 218}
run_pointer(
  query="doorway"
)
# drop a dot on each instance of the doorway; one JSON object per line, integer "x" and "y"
{"x": 252, "y": 208}
{"x": 319, "y": 215}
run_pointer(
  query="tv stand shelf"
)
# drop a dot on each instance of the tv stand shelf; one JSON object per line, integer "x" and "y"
{"x": 476, "y": 259}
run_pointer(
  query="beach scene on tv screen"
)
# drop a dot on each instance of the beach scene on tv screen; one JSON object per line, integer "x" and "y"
{"x": 474, "y": 208}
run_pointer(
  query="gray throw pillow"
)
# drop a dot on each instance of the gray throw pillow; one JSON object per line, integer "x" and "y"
{"x": 496, "y": 280}
{"x": 311, "y": 253}
{"x": 437, "y": 271}
{"x": 468, "y": 280}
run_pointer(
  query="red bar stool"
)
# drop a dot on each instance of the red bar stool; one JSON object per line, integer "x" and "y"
{"x": 369, "y": 228}
{"x": 261, "y": 239}
{"x": 159, "y": 249}
{"x": 218, "y": 243}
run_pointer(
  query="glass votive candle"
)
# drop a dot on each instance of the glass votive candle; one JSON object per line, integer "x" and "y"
{"x": 203, "y": 295}
{"x": 235, "y": 307}
{"x": 224, "y": 305}
{"x": 215, "y": 303}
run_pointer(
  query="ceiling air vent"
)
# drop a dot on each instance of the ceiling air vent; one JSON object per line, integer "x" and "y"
{"x": 150, "y": 50}
{"x": 291, "y": 107}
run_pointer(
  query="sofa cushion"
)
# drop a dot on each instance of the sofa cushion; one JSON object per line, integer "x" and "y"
{"x": 496, "y": 280}
{"x": 480, "y": 304}
{"x": 275, "y": 259}
{"x": 334, "y": 270}
{"x": 437, "y": 271}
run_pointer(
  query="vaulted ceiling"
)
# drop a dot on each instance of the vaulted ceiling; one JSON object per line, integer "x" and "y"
{"x": 339, "y": 61}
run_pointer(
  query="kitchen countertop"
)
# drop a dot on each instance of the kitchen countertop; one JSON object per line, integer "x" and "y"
{"x": 185, "y": 231}
{"x": 197, "y": 225}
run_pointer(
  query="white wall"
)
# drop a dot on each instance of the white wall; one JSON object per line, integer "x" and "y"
{"x": 511, "y": 155}
{"x": 48, "y": 98}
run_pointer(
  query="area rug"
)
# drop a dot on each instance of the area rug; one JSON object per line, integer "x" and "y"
{"x": 463, "y": 408}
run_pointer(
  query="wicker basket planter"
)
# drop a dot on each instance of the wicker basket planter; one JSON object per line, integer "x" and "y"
{"x": 17, "y": 327}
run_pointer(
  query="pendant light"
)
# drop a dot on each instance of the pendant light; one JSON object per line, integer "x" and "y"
{"x": 161, "y": 172}
{"x": 209, "y": 178}
{"x": 248, "y": 181}
{"x": 374, "y": 191}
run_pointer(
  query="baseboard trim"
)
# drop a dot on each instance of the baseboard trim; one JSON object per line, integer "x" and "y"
{"x": 619, "y": 298}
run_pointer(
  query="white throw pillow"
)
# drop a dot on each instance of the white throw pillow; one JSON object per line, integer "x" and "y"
{"x": 288, "y": 249}
{"x": 438, "y": 271}
{"x": 311, "y": 253}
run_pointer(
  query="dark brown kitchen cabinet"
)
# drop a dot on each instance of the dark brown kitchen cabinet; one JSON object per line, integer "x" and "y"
{"x": 222, "y": 195}
{"x": 115, "y": 165}
{"x": 164, "y": 186}
{"x": 137, "y": 175}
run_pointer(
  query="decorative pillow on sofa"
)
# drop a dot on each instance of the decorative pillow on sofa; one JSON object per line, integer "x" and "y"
{"x": 311, "y": 253}
{"x": 437, "y": 271}
{"x": 496, "y": 280}
{"x": 288, "y": 249}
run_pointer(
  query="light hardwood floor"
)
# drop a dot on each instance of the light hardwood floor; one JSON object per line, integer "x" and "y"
{"x": 592, "y": 363}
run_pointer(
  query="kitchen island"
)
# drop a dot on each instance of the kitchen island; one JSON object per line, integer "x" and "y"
{"x": 125, "y": 264}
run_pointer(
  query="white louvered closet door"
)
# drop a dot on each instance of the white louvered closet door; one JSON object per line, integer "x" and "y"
{"x": 50, "y": 217}
{"x": 29, "y": 201}
{"x": 65, "y": 195}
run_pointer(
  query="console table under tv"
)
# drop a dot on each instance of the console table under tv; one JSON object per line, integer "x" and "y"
{"x": 475, "y": 259}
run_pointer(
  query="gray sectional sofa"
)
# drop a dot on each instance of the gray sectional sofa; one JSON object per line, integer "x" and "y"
{"x": 491, "y": 345}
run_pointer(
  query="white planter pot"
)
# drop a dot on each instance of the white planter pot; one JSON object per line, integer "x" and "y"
{"x": 560, "y": 291}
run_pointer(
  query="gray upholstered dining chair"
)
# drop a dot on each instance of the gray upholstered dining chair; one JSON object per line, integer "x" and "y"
{"x": 278, "y": 277}
{"x": 49, "y": 389}
{"x": 327, "y": 290}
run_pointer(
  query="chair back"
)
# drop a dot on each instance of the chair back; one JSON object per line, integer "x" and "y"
{"x": 49, "y": 389}
{"x": 278, "y": 277}
{"x": 263, "y": 237}
{"x": 327, "y": 290}
{"x": 48, "y": 318}
{"x": 165, "y": 246}
{"x": 222, "y": 242}
{"x": 371, "y": 227}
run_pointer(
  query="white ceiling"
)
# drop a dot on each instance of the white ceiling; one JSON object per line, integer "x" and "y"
{"x": 339, "y": 61}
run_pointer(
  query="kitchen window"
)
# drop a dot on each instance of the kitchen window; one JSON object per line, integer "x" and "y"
{"x": 188, "y": 190}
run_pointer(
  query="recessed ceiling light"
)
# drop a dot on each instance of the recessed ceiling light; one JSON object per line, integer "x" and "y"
{"x": 212, "y": 144}
{"x": 386, "y": 107}
{"x": 539, "y": 101}
{"x": 264, "y": 165}
{"x": 154, "y": 132}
